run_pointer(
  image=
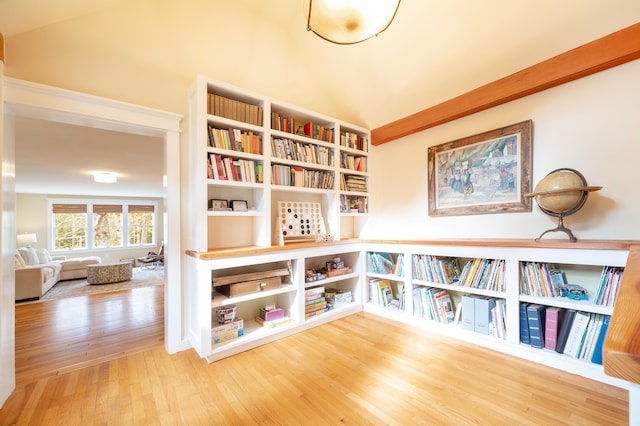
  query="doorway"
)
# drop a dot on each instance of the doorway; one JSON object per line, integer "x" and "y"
{"x": 26, "y": 99}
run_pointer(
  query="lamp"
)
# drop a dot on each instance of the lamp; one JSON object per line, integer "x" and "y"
{"x": 26, "y": 238}
{"x": 350, "y": 21}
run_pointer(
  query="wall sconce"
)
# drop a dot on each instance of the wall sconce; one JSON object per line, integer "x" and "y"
{"x": 27, "y": 238}
{"x": 350, "y": 21}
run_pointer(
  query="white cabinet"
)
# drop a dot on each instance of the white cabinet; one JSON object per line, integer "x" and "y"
{"x": 580, "y": 263}
{"x": 259, "y": 151}
{"x": 339, "y": 295}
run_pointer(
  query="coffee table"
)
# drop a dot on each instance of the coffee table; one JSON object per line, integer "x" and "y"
{"x": 107, "y": 273}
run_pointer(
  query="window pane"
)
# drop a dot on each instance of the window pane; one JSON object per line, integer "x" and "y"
{"x": 107, "y": 229}
{"x": 70, "y": 230}
{"x": 140, "y": 228}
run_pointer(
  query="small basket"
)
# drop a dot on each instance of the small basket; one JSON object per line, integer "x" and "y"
{"x": 226, "y": 314}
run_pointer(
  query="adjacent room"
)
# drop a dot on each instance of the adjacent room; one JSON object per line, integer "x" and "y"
{"x": 286, "y": 212}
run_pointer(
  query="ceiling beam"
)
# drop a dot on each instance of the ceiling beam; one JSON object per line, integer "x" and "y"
{"x": 607, "y": 52}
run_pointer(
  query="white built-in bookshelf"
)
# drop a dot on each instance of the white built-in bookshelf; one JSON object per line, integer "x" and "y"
{"x": 281, "y": 153}
{"x": 249, "y": 149}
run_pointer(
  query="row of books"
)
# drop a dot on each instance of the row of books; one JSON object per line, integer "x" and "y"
{"x": 234, "y": 109}
{"x": 436, "y": 269}
{"x": 353, "y": 204}
{"x": 385, "y": 263}
{"x": 227, "y": 168}
{"x": 309, "y": 128}
{"x": 541, "y": 279}
{"x": 485, "y": 315}
{"x": 487, "y": 274}
{"x": 353, "y": 162}
{"x": 314, "y": 301}
{"x": 433, "y": 304}
{"x": 354, "y": 140}
{"x": 607, "y": 291}
{"x": 386, "y": 293}
{"x": 574, "y": 333}
{"x": 235, "y": 140}
{"x": 298, "y": 151}
{"x": 353, "y": 183}
{"x": 301, "y": 177}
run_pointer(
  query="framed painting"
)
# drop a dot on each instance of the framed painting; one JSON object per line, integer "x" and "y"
{"x": 486, "y": 173}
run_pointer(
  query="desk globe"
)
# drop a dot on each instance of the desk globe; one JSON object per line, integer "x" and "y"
{"x": 561, "y": 193}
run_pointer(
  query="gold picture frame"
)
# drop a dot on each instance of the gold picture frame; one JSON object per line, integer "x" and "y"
{"x": 485, "y": 173}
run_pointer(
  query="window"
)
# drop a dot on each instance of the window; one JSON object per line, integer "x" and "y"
{"x": 107, "y": 225}
{"x": 70, "y": 226}
{"x": 102, "y": 225}
{"x": 141, "y": 224}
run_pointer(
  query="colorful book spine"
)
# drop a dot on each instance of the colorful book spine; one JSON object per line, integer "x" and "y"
{"x": 552, "y": 320}
{"x": 597, "y": 351}
{"x": 524, "y": 324}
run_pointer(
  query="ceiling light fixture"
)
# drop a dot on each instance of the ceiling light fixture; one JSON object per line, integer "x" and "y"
{"x": 349, "y": 21}
{"x": 105, "y": 177}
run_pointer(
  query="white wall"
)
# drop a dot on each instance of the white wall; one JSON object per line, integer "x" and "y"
{"x": 588, "y": 125}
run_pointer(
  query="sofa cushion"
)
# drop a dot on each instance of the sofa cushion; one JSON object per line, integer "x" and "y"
{"x": 43, "y": 255}
{"x": 18, "y": 261}
{"x": 29, "y": 255}
{"x": 79, "y": 263}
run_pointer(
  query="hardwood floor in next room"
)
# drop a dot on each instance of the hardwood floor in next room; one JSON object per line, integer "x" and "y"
{"x": 358, "y": 370}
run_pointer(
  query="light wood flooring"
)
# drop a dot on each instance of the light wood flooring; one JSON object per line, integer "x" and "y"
{"x": 103, "y": 362}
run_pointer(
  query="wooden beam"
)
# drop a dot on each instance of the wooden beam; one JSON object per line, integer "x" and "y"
{"x": 607, "y": 52}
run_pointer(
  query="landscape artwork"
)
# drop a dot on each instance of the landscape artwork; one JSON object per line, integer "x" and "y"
{"x": 485, "y": 173}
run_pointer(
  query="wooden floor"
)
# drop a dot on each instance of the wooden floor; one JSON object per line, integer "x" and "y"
{"x": 358, "y": 370}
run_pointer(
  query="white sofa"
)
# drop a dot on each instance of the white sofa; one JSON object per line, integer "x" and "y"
{"x": 37, "y": 271}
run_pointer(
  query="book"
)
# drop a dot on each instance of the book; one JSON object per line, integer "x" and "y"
{"x": 536, "y": 320}
{"x": 524, "y": 324}
{"x": 468, "y": 312}
{"x": 564, "y": 327}
{"x": 273, "y": 323}
{"x": 553, "y": 317}
{"x": 482, "y": 314}
{"x": 576, "y": 334}
{"x": 597, "y": 350}
{"x": 385, "y": 293}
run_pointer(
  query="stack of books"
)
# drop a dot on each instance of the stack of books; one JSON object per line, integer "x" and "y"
{"x": 314, "y": 302}
{"x": 271, "y": 317}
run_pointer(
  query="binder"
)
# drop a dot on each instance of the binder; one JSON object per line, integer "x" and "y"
{"x": 564, "y": 327}
{"x": 553, "y": 317}
{"x": 524, "y": 324}
{"x": 536, "y": 319}
{"x": 482, "y": 314}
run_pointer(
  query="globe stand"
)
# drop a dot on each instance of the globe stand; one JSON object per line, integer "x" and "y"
{"x": 560, "y": 228}
{"x": 582, "y": 188}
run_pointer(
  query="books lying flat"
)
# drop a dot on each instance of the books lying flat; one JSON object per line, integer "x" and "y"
{"x": 274, "y": 323}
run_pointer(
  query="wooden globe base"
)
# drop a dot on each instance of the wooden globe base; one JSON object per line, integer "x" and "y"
{"x": 560, "y": 228}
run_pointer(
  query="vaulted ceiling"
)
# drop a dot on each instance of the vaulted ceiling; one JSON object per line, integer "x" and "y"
{"x": 433, "y": 51}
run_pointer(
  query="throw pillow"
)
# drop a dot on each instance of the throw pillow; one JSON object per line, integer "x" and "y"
{"x": 18, "y": 261}
{"x": 43, "y": 255}
{"x": 29, "y": 255}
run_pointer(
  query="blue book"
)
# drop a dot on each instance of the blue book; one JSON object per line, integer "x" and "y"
{"x": 524, "y": 324}
{"x": 536, "y": 320}
{"x": 482, "y": 314}
{"x": 597, "y": 352}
